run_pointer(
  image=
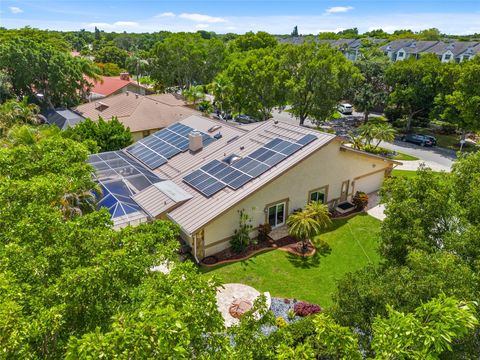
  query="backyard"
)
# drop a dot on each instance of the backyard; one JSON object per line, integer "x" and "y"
{"x": 348, "y": 245}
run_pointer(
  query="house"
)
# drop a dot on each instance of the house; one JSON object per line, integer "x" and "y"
{"x": 349, "y": 47}
{"x": 142, "y": 114}
{"x": 199, "y": 173}
{"x": 113, "y": 85}
{"x": 445, "y": 51}
{"x": 63, "y": 118}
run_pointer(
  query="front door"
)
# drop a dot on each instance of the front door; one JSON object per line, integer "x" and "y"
{"x": 344, "y": 190}
{"x": 276, "y": 215}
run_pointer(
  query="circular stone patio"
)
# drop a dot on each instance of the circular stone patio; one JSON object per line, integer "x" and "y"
{"x": 236, "y": 299}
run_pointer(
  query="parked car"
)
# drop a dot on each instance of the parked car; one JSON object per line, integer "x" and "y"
{"x": 245, "y": 119}
{"x": 423, "y": 140}
{"x": 345, "y": 108}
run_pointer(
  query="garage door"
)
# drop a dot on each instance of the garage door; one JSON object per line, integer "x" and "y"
{"x": 371, "y": 183}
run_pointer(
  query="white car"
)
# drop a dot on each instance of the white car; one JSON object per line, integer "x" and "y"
{"x": 345, "y": 109}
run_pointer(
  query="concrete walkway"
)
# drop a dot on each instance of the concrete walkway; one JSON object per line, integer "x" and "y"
{"x": 374, "y": 208}
{"x": 415, "y": 164}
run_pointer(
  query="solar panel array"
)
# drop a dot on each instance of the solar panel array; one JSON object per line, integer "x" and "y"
{"x": 156, "y": 149}
{"x": 120, "y": 177}
{"x": 216, "y": 175}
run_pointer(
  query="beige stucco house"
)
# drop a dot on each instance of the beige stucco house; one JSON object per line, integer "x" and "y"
{"x": 197, "y": 190}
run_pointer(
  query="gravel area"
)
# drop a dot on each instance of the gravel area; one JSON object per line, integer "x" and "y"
{"x": 280, "y": 308}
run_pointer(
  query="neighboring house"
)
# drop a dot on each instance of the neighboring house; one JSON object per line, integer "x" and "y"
{"x": 200, "y": 173}
{"x": 445, "y": 51}
{"x": 142, "y": 114}
{"x": 349, "y": 47}
{"x": 113, "y": 85}
{"x": 63, "y": 118}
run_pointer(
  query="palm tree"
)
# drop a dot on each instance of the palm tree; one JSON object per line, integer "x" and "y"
{"x": 194, "y": 93}
{"x": 73, "y": 204}
{"x": 319, "y": 211}
{"x": 384, "y": 132}
{"x": 303, "y": 226}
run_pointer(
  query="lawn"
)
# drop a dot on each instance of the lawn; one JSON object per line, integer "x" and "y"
{"x": 352, "y": 244}
{"x": 404, "y": 157}
{"x": 404, "y": 173}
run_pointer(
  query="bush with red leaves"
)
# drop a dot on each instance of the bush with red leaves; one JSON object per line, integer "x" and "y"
{"x": 304, "y": 309}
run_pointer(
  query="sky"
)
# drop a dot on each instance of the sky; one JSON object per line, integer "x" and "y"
{"x": 274, "y": 16}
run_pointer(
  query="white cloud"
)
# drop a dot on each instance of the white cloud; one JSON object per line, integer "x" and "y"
{"x": 202, "y": 18}
{"x": 202, "y": 26}
{"x": 166, "y": 14}
{"x": 338, "y": 9}
{"x": 125, "y": 23}
{"x": 15, "y": 10}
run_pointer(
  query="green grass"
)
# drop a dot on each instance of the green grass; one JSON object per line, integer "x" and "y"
{"x": 404, "y": 157}
{"x": 404, "y": 173}
{"x": 352, "y": 244}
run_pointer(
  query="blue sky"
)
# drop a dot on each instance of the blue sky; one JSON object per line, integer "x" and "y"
{"x": 274, "y": 16}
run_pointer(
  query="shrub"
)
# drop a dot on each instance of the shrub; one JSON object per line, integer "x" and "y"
{"x": 291, "y": 314}
{"x": 360, "y": 200}
{"x": 241, "y": 237}
{"x": 263, "y": 231}
{"x": 304, "y": 309}
{"x": 280, "y": 322}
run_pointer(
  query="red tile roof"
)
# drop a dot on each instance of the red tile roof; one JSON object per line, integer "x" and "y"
{"x": 109, "y": 84}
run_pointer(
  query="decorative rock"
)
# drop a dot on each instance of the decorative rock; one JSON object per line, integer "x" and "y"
{"x": 239, "y": 307}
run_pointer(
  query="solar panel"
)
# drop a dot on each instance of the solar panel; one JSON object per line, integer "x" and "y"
{"x": 156, "y": 149}
{"x": 216, "y": 175}
{"x": 307, "y": 139}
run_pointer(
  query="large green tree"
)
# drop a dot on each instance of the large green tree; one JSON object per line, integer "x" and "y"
{"x": 254, "y": 83}
{"x": 318, "y": 77}
{"x": 185, "y": 59}
{"x": 112, "y": 54}
{"x": 371, "y": 90}
{"x": 39, "y": 68}
{"x": 108, "y": 135}
{"x": 413, "y": 86}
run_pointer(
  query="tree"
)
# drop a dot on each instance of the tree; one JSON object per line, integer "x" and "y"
{"x": 414, "y": 84}
{"x": 379, "y": 131}
{"x": 426, "y": 333}
{"x": 108, "y": 135}
{"x": 319, "y": 212}
{"x": 184, "y": 59}
{"x": 109, "y": 69}
{"x": 464, "y": 101}
{"x": 371, "y": 91}
{"x": 5, "y": 87}
{"x": 251, "y": 41}
{"x": 303, "y": 226}
{"x": 432, "y": 34}
{"x": 254, "y": 83}
{"x": 15, "y": 112}
{"x": 295, "y": 31}
{"x": 112, "y": 54}
{"x": 38, "y": 68}
{"x": 194, "y": 93}
{"x": 318, "y": 76}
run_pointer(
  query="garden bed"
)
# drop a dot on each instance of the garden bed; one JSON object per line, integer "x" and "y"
{"x": 228, "y": 255}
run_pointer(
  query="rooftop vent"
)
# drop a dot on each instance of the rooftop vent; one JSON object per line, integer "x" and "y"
{"x": 195, "y": 139}
{"x": 217, "y": 136}
{"x": 214, "y": 128}
{"x": 100, "y": 106}
{"x": 231, "y": 159}
{"x": 232, "y": 139}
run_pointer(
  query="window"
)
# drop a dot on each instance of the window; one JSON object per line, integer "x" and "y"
{"x": 317, "y": 196}
{"x": 276, "y": 215}
{"x": 401, "y": 53}
{"x": 447, "y": 56}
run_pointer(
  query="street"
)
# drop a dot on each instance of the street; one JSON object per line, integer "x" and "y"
{"x": 436, "y": 158}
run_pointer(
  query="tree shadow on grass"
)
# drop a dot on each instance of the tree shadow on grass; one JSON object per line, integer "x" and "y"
{"x": 308, "y": 262}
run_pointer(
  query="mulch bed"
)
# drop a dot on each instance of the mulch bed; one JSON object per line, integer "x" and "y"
{"x": 287, "y": 244}
{"x": 296, "y": 248}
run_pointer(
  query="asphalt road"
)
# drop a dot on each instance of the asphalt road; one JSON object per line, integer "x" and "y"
{"x": 435, "y": 157}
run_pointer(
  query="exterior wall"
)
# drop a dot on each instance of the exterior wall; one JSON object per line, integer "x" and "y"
{"x": 131, "y": 88}
{"x": 138, "y": 135}
{"x": 447, "y": 56}
{"x": 329, "y": 167}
